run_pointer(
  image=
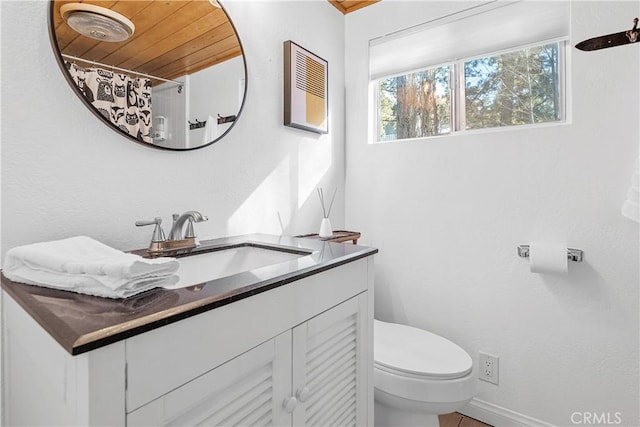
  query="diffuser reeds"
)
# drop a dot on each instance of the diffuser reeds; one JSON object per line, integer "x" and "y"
{"x": 326, "y": 212}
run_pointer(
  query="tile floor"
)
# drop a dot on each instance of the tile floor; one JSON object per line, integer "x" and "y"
{"x": 459, "y": 420}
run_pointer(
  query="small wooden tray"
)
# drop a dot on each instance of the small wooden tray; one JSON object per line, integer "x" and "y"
{"x": 338, "y": 236}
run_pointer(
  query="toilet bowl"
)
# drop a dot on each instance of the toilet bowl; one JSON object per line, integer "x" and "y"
{"x": 418, "y": 375}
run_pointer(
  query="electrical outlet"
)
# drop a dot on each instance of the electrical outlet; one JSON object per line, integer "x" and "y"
{"x": 488, "y": 367}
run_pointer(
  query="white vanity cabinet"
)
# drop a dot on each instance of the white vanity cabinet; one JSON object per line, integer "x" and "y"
{"x": 314, "y": 375}
{"x": 248, "y": 390}
{"x": 330, "y": 360}
{"x": 297, "y": 354}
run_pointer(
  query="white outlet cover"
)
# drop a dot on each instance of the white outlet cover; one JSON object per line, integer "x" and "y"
{"x": 488, "y": 368}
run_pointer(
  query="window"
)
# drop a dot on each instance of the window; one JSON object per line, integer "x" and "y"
{"x": 414, "y": 105}
{"x": 510, "y": 89}
{"x": 515, "y": 88}
{"x": 466, "y": 72}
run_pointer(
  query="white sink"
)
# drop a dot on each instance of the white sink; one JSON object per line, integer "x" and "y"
{"x": 196, "y": 269}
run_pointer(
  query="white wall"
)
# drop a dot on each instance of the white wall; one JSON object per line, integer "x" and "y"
{"x": 448, "y": 213}
{"x": 215, "y": 91}
{"x": 64, "y": 173}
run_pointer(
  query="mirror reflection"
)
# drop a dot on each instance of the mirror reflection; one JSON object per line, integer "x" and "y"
{"x": 168, "y": 74}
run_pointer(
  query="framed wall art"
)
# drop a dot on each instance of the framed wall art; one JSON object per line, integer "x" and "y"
{"x": 306, "y": 103}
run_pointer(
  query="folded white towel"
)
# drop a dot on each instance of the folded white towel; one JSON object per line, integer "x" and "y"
{"x": 101, "y": 286}
{"x": 210, "y": 130}
{"x": 84, "y": 265}
{"x": 84, "y": 255}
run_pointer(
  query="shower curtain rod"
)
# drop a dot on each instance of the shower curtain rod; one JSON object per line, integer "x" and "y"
{"x": 75, "y": 58}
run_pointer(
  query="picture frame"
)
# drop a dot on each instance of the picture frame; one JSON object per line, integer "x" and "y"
{"x": 306, "y": 89}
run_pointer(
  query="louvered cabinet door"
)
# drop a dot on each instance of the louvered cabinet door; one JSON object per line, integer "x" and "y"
{"x": 248, "y": 390}
{"x": 330, "y": 367}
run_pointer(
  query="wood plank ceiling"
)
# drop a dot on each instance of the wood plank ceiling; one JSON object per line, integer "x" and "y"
{"x": 171, "y": 39}
{"x": 348, "y": 6}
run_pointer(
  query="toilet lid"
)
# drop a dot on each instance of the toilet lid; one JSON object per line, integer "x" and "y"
{"x": 416, "y": 351}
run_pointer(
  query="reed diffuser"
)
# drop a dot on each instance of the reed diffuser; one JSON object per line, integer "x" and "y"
{"x": 325, "y": 224}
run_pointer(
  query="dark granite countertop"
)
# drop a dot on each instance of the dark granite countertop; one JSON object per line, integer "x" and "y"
{"x": 81, "y": 323}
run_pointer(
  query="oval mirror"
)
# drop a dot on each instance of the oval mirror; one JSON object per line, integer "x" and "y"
{"x": 167, "y": 74}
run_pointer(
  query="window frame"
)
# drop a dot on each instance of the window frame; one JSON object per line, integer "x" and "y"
{"x": 457, "y": 93}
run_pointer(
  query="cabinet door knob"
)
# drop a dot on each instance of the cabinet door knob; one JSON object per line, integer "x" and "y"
{"x": 290, "y": 404}
{"x": 303, "y": 394}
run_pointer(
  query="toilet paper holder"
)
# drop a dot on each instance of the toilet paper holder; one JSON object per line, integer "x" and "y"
{"x": 575, "y": 255}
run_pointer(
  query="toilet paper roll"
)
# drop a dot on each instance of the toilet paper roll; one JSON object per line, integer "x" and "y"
{"x": 548, "y": 258}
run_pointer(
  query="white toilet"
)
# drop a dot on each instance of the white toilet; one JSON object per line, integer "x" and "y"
{"x": 417, "y": 375}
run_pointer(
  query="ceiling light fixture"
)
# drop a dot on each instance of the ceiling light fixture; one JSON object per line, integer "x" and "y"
{"x": 97, "y": 22}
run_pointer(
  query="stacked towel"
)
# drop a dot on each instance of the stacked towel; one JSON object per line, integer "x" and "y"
{"x": 631, "y": 206}
{"x": 210, "y": 130}
{"x": 83, "y": 265}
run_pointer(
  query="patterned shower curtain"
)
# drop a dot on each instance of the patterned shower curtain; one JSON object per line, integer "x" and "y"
{"x": 124, "y": 101}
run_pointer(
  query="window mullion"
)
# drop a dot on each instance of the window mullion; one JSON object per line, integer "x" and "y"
{"x": 453, "y": 88}
{"x": 458, "y": 100}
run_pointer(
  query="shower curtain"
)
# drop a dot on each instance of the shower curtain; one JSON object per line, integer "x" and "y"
{"x": 123, "y": 100}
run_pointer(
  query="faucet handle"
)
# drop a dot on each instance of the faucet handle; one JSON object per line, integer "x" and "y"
{"x": 158, "y": 233}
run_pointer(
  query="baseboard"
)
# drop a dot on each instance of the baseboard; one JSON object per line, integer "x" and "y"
{"x": 498, "y": 416}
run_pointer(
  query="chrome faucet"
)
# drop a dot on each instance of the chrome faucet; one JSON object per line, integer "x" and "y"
{"x": 178, "y": 241}
{"x": 178, "y": 225}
